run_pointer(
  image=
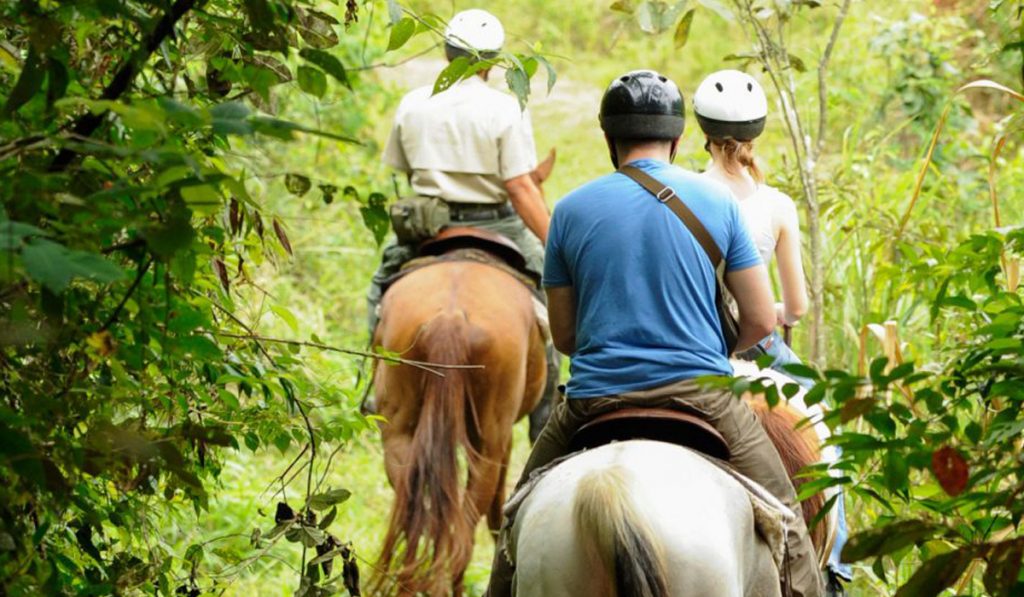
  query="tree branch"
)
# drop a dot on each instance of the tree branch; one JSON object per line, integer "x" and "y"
{"x": 432, "y": 368}
{"x": 822, "y": 70}
{"x": 87, "y": 124}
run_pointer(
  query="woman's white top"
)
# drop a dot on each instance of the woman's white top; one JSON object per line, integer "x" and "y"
{"x": 764, "y": 212}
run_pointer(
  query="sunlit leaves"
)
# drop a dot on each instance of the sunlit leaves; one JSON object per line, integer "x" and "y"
{"x": 401, "y": 32}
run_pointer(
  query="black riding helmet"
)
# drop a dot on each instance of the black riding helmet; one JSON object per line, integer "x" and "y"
{"x": 642, "y": 104}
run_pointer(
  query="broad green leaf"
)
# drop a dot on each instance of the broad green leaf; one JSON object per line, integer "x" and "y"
{"x": 317, "y": 28}
{"x": 883, "y": 540}
{"x": 166, "y": 238}
{"x": 287, "y": 316}
{"x": 29, "y": 82}
{"x": 328, "y": 63}
{"x": 312, "y": 81}
{"x": 552, "y": 75}
{"x": 297, "y": 184}
{"x": 323, "y": 501}
{"x": 401, "y": 32}
{"x": 54, "y": 265}
{"x": 938, "y": 573}
{"x": 451, "y": 73}
{"x": 801, "y": 370}
{"x": 202, "y": 198}
{"x": 375, "y": 216}
{"x": 519, "y": 83}
{"x": 682, "y": 34}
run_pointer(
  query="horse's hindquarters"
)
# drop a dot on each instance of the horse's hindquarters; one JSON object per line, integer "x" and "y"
{"x": 698, "y": 521}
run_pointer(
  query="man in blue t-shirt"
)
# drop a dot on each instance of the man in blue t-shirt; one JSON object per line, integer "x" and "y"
{"x": 631, "y": 298}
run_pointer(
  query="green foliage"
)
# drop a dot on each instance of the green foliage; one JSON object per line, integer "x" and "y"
{"x": 939, "y": 448}
{"x": 128, "y": 244}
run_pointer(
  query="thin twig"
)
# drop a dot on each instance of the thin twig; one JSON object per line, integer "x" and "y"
{"x": 425, "y": 366}
{"x": 124, "y": 300}
{"x": 283, "y": 474}
{"x": 400, "y": 62}
{"x": 822, "y": 69}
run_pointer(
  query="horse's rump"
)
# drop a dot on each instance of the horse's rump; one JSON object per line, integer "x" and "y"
{"x": 679, "y": 508}
{"x": 438, "y": 435}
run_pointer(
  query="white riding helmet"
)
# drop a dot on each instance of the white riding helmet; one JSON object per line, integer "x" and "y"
{"x": 730, "y": 104}
{"x": 475, "y": 30}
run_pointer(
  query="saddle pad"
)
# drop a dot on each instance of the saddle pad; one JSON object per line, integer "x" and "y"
{"x": 475, "y": 255}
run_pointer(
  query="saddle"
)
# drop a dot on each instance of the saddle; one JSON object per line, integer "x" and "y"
{"x": 463, "y": 243}
{"x": 659, "y": 424}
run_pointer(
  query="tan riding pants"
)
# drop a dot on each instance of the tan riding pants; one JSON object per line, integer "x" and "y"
{"x": 753, "y": 455}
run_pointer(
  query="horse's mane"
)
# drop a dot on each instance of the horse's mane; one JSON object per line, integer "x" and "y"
{"x": 798, "y": 448}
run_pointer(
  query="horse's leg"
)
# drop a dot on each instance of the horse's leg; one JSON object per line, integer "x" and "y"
{"x": 494, "y": 515}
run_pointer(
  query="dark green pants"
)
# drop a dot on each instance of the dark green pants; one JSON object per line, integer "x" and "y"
{"x": 753, "y": 455}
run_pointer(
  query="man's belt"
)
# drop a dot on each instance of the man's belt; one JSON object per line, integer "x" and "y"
{"x": 469, "y": 212}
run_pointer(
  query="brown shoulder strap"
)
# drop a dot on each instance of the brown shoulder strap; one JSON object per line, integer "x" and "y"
{"x": 666, "y": 195}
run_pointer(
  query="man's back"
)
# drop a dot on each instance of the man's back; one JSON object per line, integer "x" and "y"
{"x": 644, "y": 288}
{"x": 463, "y": 143}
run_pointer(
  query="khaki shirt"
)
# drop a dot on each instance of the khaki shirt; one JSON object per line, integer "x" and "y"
{"x": 463, "y": 143}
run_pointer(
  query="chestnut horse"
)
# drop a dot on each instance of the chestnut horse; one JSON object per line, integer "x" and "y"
{"x": 448, "y": 433}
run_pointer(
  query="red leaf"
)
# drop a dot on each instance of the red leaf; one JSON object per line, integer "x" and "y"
{"x": 281, "y": 236}
{"x": 222, "y": 273}
{"x": 950, "y": 469}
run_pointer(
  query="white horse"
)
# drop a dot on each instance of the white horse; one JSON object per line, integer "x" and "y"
{"x": 640, "y": 519}
{"x": 651, "y": 519}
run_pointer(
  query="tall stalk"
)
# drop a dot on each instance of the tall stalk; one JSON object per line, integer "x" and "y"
{"x": 774, "y": 57}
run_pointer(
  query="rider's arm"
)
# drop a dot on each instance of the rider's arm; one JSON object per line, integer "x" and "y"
{"x": 753, "y": 294}
{"x": 791, "y": 272}
{"x": 562, "y": 314}
{"x": 528, "y": 201}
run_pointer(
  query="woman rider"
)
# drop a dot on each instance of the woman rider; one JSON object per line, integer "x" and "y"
{"x": 731, "y": 108}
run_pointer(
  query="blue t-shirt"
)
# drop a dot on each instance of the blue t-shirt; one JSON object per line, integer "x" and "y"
{"x": 645, "y": 289}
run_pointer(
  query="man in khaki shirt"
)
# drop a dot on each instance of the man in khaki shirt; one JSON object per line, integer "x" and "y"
{"x": 472, "y": 146}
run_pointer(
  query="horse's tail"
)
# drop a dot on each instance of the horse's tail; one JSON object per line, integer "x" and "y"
{"x": 431, "y": 521}
{"x": 616, "y": 539}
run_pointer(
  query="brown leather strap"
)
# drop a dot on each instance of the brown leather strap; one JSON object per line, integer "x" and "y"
{"x": 666, "y": 194}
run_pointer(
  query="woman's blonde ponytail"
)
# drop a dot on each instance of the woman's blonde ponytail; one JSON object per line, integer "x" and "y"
{"x": 736, "y": 155}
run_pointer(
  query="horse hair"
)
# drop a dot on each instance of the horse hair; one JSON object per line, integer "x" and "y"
{"x": 429, "y": 506}
{"x": 617, "y": 541}
{"x": 798, "y": 448}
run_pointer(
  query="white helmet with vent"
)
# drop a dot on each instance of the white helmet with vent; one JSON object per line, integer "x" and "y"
{"x": 730, "y": 104}
{"x": 475, "y": 30}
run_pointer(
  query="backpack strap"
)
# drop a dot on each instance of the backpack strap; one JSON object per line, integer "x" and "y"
{"x": 666, "y": 194}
